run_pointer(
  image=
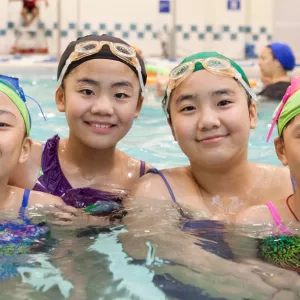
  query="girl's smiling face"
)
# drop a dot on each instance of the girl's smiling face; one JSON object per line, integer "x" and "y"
{"x": 211, "y": 119}
{"x": 101, "y": 98}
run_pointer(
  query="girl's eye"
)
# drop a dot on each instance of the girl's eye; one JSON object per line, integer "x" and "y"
{"x": 224, "y": 103}
{"x": 3, "y": 124}
{"x": 121, "y": 96}
{"x": 188, "y": 108}
{"x": 87, "y": 92}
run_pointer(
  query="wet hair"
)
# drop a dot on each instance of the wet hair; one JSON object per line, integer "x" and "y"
{"x": 272, "y": 53}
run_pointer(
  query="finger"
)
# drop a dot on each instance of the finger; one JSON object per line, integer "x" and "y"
{"x": 63, "y": 216}
{"x": 61, "y": 223}
{"x": 50, "y": 213}
{"x": 69, "y": 209}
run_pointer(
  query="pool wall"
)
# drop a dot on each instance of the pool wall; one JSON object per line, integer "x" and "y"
{"x": 201, "y": 25}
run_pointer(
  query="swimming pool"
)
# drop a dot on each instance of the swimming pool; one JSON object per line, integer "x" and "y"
{"x": 91, "y": 264}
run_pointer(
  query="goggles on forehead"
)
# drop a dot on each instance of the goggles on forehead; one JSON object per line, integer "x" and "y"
{"x": 124, "y": 52}
{"x": 215, "y": 65}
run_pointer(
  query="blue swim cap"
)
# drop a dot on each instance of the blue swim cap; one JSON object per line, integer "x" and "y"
{"x": 284, "y": 54}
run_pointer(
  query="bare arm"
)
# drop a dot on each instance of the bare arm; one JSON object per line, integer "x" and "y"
{"x": 44, "y": 199}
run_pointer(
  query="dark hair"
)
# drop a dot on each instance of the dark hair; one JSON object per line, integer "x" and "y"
{"x": 269, "y": 47}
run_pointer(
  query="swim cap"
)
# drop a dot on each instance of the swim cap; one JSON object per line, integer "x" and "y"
{"x": 216, "y": 59}
{"x": 284, "y": 54}
{"x": 18, "y": 98}
{"x": 290, "y": 110}
{"x": 198, "y": 65}
{"x": 105, "y": 53}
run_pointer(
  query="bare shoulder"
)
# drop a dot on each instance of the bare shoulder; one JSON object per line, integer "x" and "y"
{"x": 43, "y": 199}
{"x": 26, "y": 174}
{"x": 277, "y": 178}
{"x": 255, "y": 215}
{"x": 135, "y": 164}
{"x": 152, "y": 185}
{"x": 272, "y": 171}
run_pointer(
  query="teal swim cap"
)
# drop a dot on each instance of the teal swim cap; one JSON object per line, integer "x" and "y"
{"x": 199, "y": 66}
{"x": 213, "y": 62}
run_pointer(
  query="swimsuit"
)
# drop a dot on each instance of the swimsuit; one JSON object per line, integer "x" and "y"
{"x": 211, "y": 232}
{"x": 30, "y": 5}
{"x": 53, "y": 181}
{"x": 17, "y": 238}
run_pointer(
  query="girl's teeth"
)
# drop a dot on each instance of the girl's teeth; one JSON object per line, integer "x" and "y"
{"x": 100, "y": 125}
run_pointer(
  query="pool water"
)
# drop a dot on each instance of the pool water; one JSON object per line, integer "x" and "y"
{"x": 91, "y": 263}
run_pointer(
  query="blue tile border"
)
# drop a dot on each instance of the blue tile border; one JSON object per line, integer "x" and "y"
{"x": 147, "y": 30}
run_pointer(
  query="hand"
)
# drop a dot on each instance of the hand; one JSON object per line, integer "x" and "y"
{"x": 278, "y": 278}
{"x": 69, "y": 215}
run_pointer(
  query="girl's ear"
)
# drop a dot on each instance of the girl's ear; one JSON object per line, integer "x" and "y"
{"x": 60, "y": 99}
{"x": 280, "y": 150}
{"x": 25, "y": 151}
{"x": 253, "y": 115}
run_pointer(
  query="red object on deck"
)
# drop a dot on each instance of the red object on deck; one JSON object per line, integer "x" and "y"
{"x": 15, "y": 50}
{"x": 29, "y": 3}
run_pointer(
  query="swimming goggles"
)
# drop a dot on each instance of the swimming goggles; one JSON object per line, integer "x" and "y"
{"x": 215, "y": 65}
{"x": 124, "y": 52}
{"x": 12, "y": 84}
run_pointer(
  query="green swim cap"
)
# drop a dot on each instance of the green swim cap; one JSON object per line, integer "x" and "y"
{"x": 198, "y": 65}
{"x": 19, "y": 102}
{"x": 290, "y": 110}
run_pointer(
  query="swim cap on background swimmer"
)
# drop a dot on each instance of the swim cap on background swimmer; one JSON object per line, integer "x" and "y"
{"x": 288, "y": 108}
{"x": 199, "y": 66}
{"x": 105, "y": 53}
{"x": 284, "y": 54}
{"x": 10, "y": 87}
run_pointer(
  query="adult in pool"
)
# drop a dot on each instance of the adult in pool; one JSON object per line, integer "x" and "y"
{"x": 275, "y": 61}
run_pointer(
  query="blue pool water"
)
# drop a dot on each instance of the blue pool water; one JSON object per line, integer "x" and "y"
{"x": 150, "y": 138}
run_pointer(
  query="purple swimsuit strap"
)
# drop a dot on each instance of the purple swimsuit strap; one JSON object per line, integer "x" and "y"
{"x": 142, "y": 168}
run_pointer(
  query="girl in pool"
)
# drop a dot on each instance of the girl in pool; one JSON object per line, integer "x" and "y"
{"x": 211, "y": 109}
{"x": 287, "y": 118}
{"x": 283, "y": 213}
{"x": 17, "y": 236}
{"x": 16, "y": 145}
{"x": 100, "y": 88}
